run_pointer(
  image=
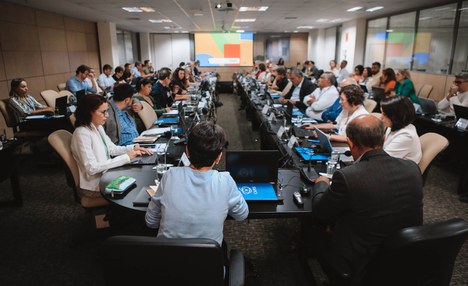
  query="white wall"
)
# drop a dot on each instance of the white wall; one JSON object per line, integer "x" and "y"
{"x": 352, "y": 43}
{"x": 168, "y": 50}
{"x": 108, "y": 46}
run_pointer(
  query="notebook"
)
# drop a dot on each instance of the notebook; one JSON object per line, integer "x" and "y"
{"x": 255, "y": 173}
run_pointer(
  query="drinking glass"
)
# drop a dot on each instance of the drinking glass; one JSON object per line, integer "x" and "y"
{"x": 161, "y": 167}
{"x": 299, "y": 120}
{"x": 174, "y": 129}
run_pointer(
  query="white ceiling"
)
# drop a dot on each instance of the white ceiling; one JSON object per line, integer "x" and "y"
{"x": 281, "y": 16}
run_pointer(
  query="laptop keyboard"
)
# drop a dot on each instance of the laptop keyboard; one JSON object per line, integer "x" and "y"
{"x": 145, "y": 160}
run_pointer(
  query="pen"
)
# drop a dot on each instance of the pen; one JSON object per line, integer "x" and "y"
{"x": 313, "y": 140}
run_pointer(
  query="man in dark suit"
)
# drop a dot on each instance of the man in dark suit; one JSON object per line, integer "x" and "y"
{"x": 302, "y": 87}
{"x": 369, "y": 200}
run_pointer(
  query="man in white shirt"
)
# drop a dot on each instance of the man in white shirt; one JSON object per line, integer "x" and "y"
{"x": 344, "y": 73}
{"x": 323, "y": 97}
{"x": 376, "y": 74}
{"x": 105, "y": 80}
{"x": 458, "y": 94}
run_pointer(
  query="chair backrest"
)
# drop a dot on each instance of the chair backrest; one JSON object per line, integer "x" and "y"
{"x": 66, "y": 93}
{"x": 147, "y": 115}
{"x": 370, "y": 104}
{"x": 49, "y": 96}
{"x": 130, "y": 260}
{"x": 420, "y": 255}
{"x": 431, "y": 145}
{"x": 417, "y": 87}
{"x": 60, "y": 140}
{"x": 9, "y": 118}
{"x": 425, "y": 90}
{"x": 61, "y": 86}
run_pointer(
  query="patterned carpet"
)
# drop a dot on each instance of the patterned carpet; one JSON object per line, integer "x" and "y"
{"x": 35, "y": 239}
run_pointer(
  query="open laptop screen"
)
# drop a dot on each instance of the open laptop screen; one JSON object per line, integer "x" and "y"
{"x": 253, "y": 166}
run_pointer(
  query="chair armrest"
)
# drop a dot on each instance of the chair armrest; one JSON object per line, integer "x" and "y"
{"x": 236, "y": 268}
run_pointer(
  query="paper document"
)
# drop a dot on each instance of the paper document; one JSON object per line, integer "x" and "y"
{"x": 156, "y": 131}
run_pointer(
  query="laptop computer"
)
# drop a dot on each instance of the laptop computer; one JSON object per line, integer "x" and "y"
{"x": 460, "y": 111}
{"x": 61, "y": 105}
{"x": 364, "y": 87}
{"x": 326, "y": 147}
{"x": 428, "y": 106}
{"x": 145, "y": 160}
{"x": 378, "y": 93}
{"x": 255, "y": 173}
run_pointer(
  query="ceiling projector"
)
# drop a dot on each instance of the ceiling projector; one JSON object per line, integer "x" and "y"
{"x": 227, "y": 6}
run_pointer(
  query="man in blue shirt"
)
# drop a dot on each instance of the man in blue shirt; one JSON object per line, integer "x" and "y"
{"x": 78, "y": 82}
{"x": 121, "y": 127}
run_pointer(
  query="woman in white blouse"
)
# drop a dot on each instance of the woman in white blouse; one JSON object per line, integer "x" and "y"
{"x": 351, "y": 100}
{"x": 92, "y": 149}
{"x": 402, "y": 140}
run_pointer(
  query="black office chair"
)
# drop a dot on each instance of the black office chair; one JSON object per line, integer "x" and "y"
{"x": 135, "y": 260}
{"x": 417, "y": 256}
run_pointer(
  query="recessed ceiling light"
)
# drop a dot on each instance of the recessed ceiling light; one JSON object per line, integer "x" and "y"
{"x": 244, "y": 20}
{"x": 389, "y": 31}
{"x": 322, "y": 20}
{"x": 253, "y": 9}
{"x": 240, "y": 31}
{"x": 132, "y": 9}
{"x": 336, "y": 20}
{"x": 147, "y": 9}
{"x": 198, "y": 14}
{"x": 160, "y": 21}
{"x": 184, "y": 31}
{"x": 296, "y": 31}
{"x": 354, "y": 9}
{"x": 305, "y": 27}
{"x": 374, "y": 9}
{"x": 424, "y": 18}
{"x": 167, "y": 27}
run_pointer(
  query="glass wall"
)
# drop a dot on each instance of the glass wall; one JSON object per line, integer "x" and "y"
{"x": 460, "y": 59}
{"x": 434, "y": 39}
{"x": 375, "y": 42}
{"x": 400, "y": 39}
{"x": 277, "y": 47}
{"x": 422, "y": 40}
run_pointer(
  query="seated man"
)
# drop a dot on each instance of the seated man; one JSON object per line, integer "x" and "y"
{"x": 105, "y": 80}
{"x": 161, "y": 94}
{"x": 302, "y": 87}
{"x": 118, "y": 75}
{"x": 194, "y": 201}
{"x": 78, "y": 82}
{"x": 458, "y": 94}
{"x": 322, "y": 97}
{"x": 128, "y": 74}
{"x": 367, "y": 201}
{"x": 121, "y": 127}
{"x": 282, "y": 85}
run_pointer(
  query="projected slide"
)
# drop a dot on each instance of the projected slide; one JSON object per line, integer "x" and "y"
{"x": 224, "y": 49}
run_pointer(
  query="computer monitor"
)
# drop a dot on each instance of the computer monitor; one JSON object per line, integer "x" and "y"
{"x": 460, "y": 111}
{"x": 61, "y": 105}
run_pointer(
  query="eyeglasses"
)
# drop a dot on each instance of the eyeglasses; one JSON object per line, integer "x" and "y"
{"x": 458, "y": 82}
{"x": 104, "y": 112}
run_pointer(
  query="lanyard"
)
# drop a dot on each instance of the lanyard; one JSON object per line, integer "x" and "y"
{"x": 105, "y": 145}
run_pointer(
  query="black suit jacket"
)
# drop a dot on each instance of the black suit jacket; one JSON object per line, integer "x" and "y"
{"x": 162, "y": 96}
{"x": 307, "y": 88}
{"x": 368, "y": 201}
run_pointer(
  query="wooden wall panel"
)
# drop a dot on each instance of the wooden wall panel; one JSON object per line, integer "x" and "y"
{"x": 50, "y": 20}
{"x": 19, "y": 37}
{"x": 23, "y": 64}
{"x": 55, "y": 62}
{"x": 17, "y": 14}
{"x": 52, "y": 40}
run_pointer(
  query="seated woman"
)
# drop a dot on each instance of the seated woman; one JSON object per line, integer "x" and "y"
{"x": 388, "y": 80}
{"x": 22, "y": 104}
{"x": 281, "y": 84}
{"x": 401, "y": 140}
{"x": 351, "y": 100}
{"x": 92, "y": 149}
{"x": 194, "y": 201}
{"x": 178, "y": 77}
{"x": 366, "y": 78}
{"x": 143, "y": 87}
{"x": 404, "y": 85}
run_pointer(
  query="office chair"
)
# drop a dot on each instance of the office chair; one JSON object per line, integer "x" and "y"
{"x": 49, "y": 97}
{"x": 417, "y": 88}
{"x": 60, "y": 140}
{"x": 61, "y": 86}
{"x": 370, "y": 104}
{"x": 10, "y": 122}
{"x": 134, "y": 260}
{"x": 431, "y": 145}
{"x": 147, "y": 115}
{"x": 425, "y": 91}
{"x": 414, "y": 256}
{"x": 66, "y": 93}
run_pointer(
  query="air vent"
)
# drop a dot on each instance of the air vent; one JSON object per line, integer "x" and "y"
{"x": 290, "y": 18}
{"x": 133, "y": 19}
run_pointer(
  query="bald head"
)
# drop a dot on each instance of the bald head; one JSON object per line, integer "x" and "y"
{"x": 366, "y": 132}
{"x": 348, "y": 81}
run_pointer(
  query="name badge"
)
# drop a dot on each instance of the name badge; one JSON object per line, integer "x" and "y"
{"x": 280, "y": 132}
{"x": 265, "y": 109}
